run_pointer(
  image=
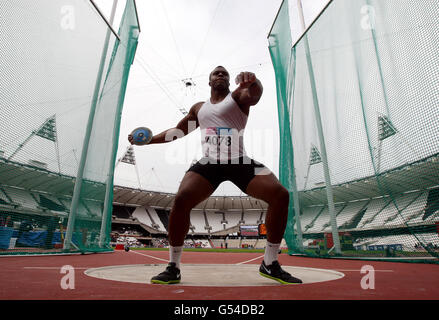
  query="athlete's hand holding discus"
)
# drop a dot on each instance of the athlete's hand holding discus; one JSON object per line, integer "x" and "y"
{"x": 140, "y": 136}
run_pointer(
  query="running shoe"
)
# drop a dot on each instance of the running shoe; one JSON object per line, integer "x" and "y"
{"x": 169, "y": 276}
{"x": 275, "y": 272}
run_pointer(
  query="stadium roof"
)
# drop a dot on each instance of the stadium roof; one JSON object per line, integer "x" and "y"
{"x": 420, "y": 175}
{"x": 128, "y": 196}
{"x": 34, "y": 178}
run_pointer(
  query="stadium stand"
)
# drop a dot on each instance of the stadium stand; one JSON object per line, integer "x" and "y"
{"x": 373, "y": 209}
{"x": 160, "y": 242}
{"x": 252, "y": 217}
{"x": 348, "y": 211}
{"x": 353, "y": 222}
{"x": 391, "y": 211}
{"x": 49, "y": 202}
{"x": 156, "y": 222}
{"x": 412, "y": 213}
{"x": 370, "y": 215}
{"x": 206, "y": 222}
{"x": 214, "y": 219}
{"x": 411, "y": 243}
{"x": 82, "y": 210}
{"x": 248, "y": 243}
{"x": 233, "y": 243}
{"x": 233, "y": 218}
{"x": 261, "y": 244}
{"x": 218, "y": 242}
{"x": 163, "y": 216}
{"x": 21, "y": 197}
{"x": 142, "y": 215}
{"x": 202, "y": 243}
{"x": 322, "y": 220}
{"x": 198, "y": 221}
{"x": 188, "y": 243}
{"x": 309, "y": 215}
{"x": 123, "y": 212}
{"x": 262, "y": 217}
{"x": 4, "y": 199}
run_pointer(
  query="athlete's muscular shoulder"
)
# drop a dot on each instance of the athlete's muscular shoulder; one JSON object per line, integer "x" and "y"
{"x": 193, "y": 112}
{"x": 195, "y": 108}
{"x": 190, "y": 121}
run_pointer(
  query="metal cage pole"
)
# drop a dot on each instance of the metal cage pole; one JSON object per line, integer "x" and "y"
{"x": 129, "y": 56}
{"x": 78, "y": 184}
{"x": 319, "y": 124}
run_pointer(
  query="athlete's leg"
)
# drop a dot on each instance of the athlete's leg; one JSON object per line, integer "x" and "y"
{"x": 193, "y": 189}
{"x": 268, "y": 188}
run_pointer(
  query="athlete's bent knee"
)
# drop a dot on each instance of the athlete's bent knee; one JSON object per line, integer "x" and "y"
{"x": 282, "y": 196}
{"x": 182, "y": 201}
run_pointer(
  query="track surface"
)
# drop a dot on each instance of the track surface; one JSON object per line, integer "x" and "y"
{"x": 39, "y": 278}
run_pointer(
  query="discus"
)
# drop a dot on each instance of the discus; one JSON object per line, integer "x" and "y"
{"x": 141, "y": 136}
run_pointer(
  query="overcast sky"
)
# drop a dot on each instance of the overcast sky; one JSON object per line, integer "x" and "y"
{"x": 184, "y": 40}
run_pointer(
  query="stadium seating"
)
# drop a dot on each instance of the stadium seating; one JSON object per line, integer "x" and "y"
{"x": 248, "y": 242}
{"x": 373, "y": 208}
{"x": 82, "y": 210}
{"x": 214, "y": 219}
{"x": 309, "y": 215}
{"x": 142, "y": 215}
{"x": 22, "y": 197}
{"x": 203, "y": 243}
{"x": 261, "y": 244}
{"x": 348, "y": 211}
{"x": 3, "y": 197}
{"x": 233, "y": 218}
{"x": 263, "y": 216}
{"x": 188, "y": 243}
{"x": 53, "y": 204}
{"x": 410, "y": 242}
{"x": 122, "y": 212}
{"x": 233, "y": 243}
{"x": 322, "y": 220}
{"x": 391, "y": 211}
{"x": 197, "y": 220}
{"x": 217, "y": 243}
{"x": 252, "y": 217}
{"x": 412, "y": 213}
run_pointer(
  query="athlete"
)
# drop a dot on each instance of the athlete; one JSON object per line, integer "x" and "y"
{"x": 222, "y": 120}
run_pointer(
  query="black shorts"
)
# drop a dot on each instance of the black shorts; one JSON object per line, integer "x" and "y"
{"x": 239, "y": 171}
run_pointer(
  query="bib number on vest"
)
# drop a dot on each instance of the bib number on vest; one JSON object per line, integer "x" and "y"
{"x": 219, "y": 136}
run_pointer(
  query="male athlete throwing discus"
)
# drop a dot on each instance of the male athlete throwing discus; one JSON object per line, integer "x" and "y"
{"x": 222, "y": 120}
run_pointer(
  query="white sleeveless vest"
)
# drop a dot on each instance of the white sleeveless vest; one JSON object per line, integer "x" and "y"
{"x": 222, "y": 129}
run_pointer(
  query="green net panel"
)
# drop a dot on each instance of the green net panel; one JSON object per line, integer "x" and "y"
{"x": 358, "y": 101}
{"x": 62, "y": 85}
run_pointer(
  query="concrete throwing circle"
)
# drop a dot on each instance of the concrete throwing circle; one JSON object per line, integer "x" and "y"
{"x": 210, "y": 275}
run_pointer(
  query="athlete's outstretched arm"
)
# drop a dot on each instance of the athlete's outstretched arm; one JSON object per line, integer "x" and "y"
{"x": 186, "y": 125}
{"x": 249, "y": 91}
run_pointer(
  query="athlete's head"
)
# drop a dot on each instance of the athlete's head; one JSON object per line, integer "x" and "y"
{"x": 219, "y": 78}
